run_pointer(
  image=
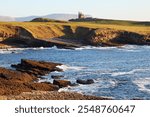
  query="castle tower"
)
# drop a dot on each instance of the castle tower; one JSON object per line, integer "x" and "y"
{"x": 80, "y": 15}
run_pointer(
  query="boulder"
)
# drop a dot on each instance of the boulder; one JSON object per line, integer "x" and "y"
{"x": 89, "y": 81}
{"x": 56, "y": 76}
{"x": 62, "y": 83}
{"x": 36, "y": 68}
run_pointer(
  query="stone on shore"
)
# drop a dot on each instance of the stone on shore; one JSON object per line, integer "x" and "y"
{"x": 37, "y": 67}
{"x": 88, "y": 81}
{"x": 56, "y": 76}
{"x": 62, "y": 83}
{"x": 15, "y": 82}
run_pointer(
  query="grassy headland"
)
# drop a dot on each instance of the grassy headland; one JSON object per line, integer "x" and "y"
{"x": 106, "y": 32}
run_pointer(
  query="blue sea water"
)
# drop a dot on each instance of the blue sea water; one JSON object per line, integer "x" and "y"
{"x": 120, "y": 73}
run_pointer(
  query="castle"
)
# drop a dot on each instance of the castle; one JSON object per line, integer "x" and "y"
{"x": 81, "y": 15}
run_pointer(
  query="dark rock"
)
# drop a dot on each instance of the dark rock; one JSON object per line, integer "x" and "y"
{"x": 74, "y": 84}
{"x": 62, "y": 83}
{"x": 15, "y": 82}
{"x": 36, "y": 67}
{"x": 89, "y": 81}
{"x": 57, "y": 77}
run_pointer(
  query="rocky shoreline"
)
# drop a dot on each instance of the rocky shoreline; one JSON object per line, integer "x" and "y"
{"x": 22, "y": 83}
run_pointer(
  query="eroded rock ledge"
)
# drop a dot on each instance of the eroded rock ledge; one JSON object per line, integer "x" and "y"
{"x": 37, "y": 68}
{"x": 14, "y": 82}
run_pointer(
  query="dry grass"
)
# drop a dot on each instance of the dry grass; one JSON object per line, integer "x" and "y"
{"x": 55, "y": 29}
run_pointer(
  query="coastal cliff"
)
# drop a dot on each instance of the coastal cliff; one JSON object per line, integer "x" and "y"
{"x": 38, "y": 34}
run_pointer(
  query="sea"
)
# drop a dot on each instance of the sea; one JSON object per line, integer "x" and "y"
{"x": 119, "y": 73}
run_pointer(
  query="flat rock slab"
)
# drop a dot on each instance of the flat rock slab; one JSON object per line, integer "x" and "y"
{"x": 36, "y": 67}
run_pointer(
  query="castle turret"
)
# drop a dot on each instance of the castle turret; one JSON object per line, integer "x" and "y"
{"x": 80, "y": 15}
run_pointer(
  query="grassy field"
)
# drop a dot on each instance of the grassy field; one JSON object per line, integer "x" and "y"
{"x": 79, "y": 31}
{"x": 37, "y": 28}
{"x": 115, "y": 24}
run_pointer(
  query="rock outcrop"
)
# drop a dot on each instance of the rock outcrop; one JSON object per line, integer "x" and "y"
{"x": 15, "y": 82}
{"x": 109, "y": 37}
{"x": 62, "y": 83}
{"x": 57, "y": 76}
{"x": 37, "y": 68}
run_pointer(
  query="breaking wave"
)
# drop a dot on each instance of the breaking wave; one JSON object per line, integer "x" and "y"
{"x": 93, "y": 47}
{"x": 143, "y": 84}
{"x": 66, "y": 67}
{"x": 128, "y": 72}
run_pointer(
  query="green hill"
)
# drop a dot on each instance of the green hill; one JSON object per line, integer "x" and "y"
{"x": 110, "y": 21}
{"x": 47, "y": 20}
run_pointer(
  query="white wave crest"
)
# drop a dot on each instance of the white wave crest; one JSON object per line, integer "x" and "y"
{"x": 66, "y": 67}
{"x": 142, "y": 83}
{"x": 93, "y": 47}
{"x": 129, "y": 72}
{"x": 130, "y": 47}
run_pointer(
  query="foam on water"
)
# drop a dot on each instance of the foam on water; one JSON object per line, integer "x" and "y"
{"x": 142, "y": 83}
{"x": 5, "y": 52}
{"x": 128, "y": 72}
{"x": 94, "y": 88}
{"x": 67, "y": 67}
{"x": 92, "y": 47}
{"x": 130, "y": 48}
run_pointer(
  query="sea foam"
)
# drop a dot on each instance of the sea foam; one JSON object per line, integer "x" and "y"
{"x": 142, "y": 83}
{"x": 66, "y": 67}
{"x": 128, "y": 72}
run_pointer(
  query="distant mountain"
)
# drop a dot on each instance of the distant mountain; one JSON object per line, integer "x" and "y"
{"x": 51, "y": 16}
{"x": 29, "y": 18}
{"x": 6, "y": 18}
{"x": 59, "y": 16}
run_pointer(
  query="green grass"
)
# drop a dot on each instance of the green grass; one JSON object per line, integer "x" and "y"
{"x": 113, "y": 22}
{"x": 44, "y": 29}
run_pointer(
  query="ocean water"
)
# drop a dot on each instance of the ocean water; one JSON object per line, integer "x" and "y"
{"x": 119, "y": 73}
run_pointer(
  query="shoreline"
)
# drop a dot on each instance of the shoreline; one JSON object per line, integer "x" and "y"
{"x": 21, "y": 83}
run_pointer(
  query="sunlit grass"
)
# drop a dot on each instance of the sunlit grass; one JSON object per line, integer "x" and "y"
{"x": 36, "y": 26}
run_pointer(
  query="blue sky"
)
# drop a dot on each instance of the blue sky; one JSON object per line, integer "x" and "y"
{"x": 113, "y": 9}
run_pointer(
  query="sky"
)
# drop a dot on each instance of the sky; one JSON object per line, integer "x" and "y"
{"x": 109, "y": 9}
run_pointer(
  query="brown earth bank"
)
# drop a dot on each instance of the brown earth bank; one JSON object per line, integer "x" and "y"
{"x": 65, "y": 35}
{"x": 22, "y": 83}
